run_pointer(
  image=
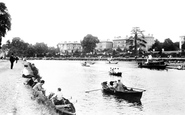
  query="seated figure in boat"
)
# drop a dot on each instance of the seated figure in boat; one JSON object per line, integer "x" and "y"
{"x": 105, "y": 86}
{"x": 149, "y": 59}
{"x": 121, "y": 87}
{"x": 58, "y": 98}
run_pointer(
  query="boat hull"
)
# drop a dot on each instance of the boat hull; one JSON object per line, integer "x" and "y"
{"x": 153, "y": 65}
{"x": 116, "y": 74}
{"x": 128, "y": 95}
{"x": 66, "y": 110}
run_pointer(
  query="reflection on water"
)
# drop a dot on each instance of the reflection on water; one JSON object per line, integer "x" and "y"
{"x": 164, "y": 93}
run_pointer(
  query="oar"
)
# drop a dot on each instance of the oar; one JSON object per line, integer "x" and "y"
{"x": 136, "y": 88}
{"x": 92, "y": 90}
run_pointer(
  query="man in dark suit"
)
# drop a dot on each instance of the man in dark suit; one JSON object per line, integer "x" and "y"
{"x": 12, "y": 59}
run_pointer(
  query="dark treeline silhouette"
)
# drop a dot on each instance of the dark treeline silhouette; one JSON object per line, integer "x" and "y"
{"x": 23, "y": 49}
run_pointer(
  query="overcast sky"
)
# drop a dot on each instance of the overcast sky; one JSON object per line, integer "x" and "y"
{"x": 54, "y": 21}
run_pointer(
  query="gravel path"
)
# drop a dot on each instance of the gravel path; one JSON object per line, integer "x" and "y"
{"x": 15, "y": 97}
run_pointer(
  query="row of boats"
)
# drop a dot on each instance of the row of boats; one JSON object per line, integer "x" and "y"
{"x": 161, "y": 64}
{"x": 135, "y": 94}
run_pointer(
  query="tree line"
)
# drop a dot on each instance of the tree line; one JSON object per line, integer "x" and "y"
{"x": 23, "y": 49}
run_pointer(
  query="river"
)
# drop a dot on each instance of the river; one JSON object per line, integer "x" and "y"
{"x": 164, "y": 93}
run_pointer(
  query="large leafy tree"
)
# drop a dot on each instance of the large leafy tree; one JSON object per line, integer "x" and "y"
{"x": 157, "y": 46}
{"x": 18, "y": 47}
{"x": 137, "y": 40}
{"x": 5, "y": 21}
{"x": 40, "y": 49}
{"x": 89, "y": 43}
{"x": 168, "y": 45}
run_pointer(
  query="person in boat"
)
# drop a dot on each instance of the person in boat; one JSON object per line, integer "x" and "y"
{"x": 120, "y": 86}
{"x": 58, "y": 98}
{"x": 39, "y": 90}
{"x": 115, "y": 84}
{"x": 104, "y": 85}
{"x": 149, "y": 58}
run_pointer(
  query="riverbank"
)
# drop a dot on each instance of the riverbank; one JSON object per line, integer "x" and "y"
{"x": 15, "y": 97}
{"x": 104, "y": 58}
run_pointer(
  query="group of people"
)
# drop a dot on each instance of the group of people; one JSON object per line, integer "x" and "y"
{"x": 34, "y": 80}
{"x": 114, "y": 70}
{"x": 116, "y": 86}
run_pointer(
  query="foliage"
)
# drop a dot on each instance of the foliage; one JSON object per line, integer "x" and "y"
{"x": 118, "y": 49}
{"x": 5, "y": 21}
{"x": 157, "y": 46}
{"x": 137, "y": 40}
{"x": 21, "y": 49}
{"x": 168, "y": 45}
{"x": 40, "y": 49}
{"x": 18, "y": 47}
{"x": 89, "y": 43}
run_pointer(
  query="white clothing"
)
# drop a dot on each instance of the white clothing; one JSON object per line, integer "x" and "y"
{"x": 150, "y": 57}
{"x": 59, "y": 95}
{"x": 26, "y": 72}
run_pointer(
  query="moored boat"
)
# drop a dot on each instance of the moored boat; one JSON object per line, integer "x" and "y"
{"x": 85, "y": 64}
{"x": 115, "y": 73}
{"x": 133, "y": 94}
{"x": 111, "y": 62}
{"x": 153, "y": 65}
{"x": 66, "y": 109}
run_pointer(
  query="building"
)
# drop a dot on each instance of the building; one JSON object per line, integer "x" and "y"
{"x": 181, "y": 42}
{"x": 104, "y": 45}
{"x": 69, "y": 47}
{"x": 150, "y": 41}
{"x": 119, "y": 42}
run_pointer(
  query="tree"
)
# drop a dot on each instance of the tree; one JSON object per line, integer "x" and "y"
{"x": 18, "y": 47}
{"x": 157, "y": 46}
{"x": 40, "y": 49}
{"x": 168, "y": 45}
{"x": 89, "y": 43}
{"x": 5, "y": 21}
{"x": 137, "y": 40}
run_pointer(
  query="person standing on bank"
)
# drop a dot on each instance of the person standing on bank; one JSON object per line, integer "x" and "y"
{"x": 12, "y": 59}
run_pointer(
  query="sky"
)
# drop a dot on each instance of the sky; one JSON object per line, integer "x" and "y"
{"x": 55, "y": 21}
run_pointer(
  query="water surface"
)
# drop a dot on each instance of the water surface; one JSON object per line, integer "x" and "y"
{"x": 164, "y": 88}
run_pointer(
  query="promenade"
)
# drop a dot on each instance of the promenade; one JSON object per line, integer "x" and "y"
{"x": 15, "y": 97}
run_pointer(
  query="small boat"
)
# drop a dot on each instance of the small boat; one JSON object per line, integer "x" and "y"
{"x": 133, "y": 94}
{"x": 111, "y": 62}
{"x": 66, "y": 109}
{"x": 85, "y": 64}
{"x": 90, "y": 62}
{"x": 178, "y": 67}
{"x": 153, "y": 65}
{"x": 115, "y": 73}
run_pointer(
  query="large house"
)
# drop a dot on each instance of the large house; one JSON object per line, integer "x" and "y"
{"x": 150, "y": 41}
{"x": 119, "y": 42}
{"x": 69, "y": 47}
{"x": 104, "y": 45}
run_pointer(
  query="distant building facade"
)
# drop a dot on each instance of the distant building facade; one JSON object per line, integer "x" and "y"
{"x": 150, "y": 41}
{"x": 119, "y": 42}
{"x": 69, "y": 47}
{"x": 104, "y": 45}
